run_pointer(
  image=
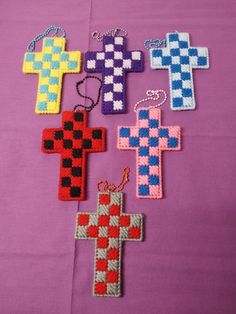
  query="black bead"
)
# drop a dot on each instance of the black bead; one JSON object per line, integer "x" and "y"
{"x": 68, "y": 125}
{"x": 67, "y": 144}
{"x": 58, "y": 135}
{"x": 79, "y": 116}
{"x": 77, "y": 134}
{"x": 48, "y": 144}
{"x": 77, "y": 153}
{"x": 75, "y": 191}
{"x": 76, "y": 171}
{"x": 87, "y": 143}
{"x": 65, "y": 181}
{"x": 67, "y": 162}
{"x": 97, "y": 134}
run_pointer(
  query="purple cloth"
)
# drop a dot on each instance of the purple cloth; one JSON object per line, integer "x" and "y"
{"x": 187, "y": 263}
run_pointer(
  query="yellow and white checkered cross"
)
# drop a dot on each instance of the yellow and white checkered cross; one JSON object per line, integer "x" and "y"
{"x": 51, "y": 64}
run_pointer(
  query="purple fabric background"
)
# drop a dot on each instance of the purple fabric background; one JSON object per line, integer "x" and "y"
{"x": 187, "y": 263}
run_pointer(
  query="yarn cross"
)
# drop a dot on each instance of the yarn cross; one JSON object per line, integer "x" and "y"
{"x": 114, "y": 62}
{"x": 109, "y": 227}
{"x": 73, "y": 141}
{"x": 180, "y": 59}
{"x": 50, "y": 65}
{"x": 149, "y": 138}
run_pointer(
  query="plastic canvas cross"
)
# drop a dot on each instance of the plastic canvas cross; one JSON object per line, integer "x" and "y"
{"x": 109, "y": 227}
{"x": 180, "y": 59}
{"x": 149, "y": 138}
{"x": 51, "y": 64}
{"x": 114, "y": 62}
{"x": 73, "y": 141}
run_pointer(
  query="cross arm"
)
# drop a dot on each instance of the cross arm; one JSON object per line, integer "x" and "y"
{"x": 52, "y": 140}
{"x": 160, "y": 58}
{"x": 199, "y": 58}
{"x": 94, "y": 61}
{"x": 70, "y": 62}
{"x": 94, "y": 139}
{"x": 32, "y": 62}
{"x": 170, "y": 138}
{"x": 128, "y": 137}
{"x": 131, "y": 227}
{"x": 137, "y": 61}
{"x": 86, "y": 226}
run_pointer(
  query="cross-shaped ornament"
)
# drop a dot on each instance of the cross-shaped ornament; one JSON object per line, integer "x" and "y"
{"x": 50, "y": 65}
{"x": 149, "y": 138}
{"x": 73, "y": 141}
{"x": 180, "y": 59}
{"x": 114, "y": 62}
{"x": 109, "y": 227}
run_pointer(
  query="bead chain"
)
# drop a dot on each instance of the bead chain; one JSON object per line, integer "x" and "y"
{"x": 152, "y": 95}
{"x": 111, "y": 32}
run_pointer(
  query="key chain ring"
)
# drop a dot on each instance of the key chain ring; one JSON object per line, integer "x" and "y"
{"x": 152, "y": 95}
{"x": 31, "y": 45}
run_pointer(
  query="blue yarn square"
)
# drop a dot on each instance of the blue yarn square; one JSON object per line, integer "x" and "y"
{"x": 157, "y": 53}
{"x": 53, "y": 80}
{"x": 56, "y": 49}
{"x": 55, "y": 65}
{"x": 183, "y": 44}
{"x": 154, "y": 180}
{"x": 143, "y": 170}
{"x": 175, "y": 68}
{"x": 134, "y": 141}
{"x": 187, "y": 92}
{"x": 37, "y": 65}
{"x": 124, "y": 132}
{"x": 175, "y": 52}
{"x": 163, "y": 132}
{"x": 42, "y": 105}
{"x": 143, "y": 189}
{"x": 153, "y": 160}
{"x": 64, "y": 57}
{"x": 72, "y": 65}
{"x": 173, "y": 37}
{"x": 143, "y": 132}
{"x": 30, "y": 57}
{"x": 45, "y": 72}
{"x": 193, "y": 52}
{"x": 47, "y": 57}
{"x": 177, "y": 84}
{"x": 177, "y": 102}
{"x": 202, "y": 61}
{"x": 52, "y": 97}
{"x": 49, "y": 42}
{"x": 166, "y": 60}
{"x": 185, "y": 76}
{"x": 153, "y": 123}
{"x": 143, "y": 151}
{"x": 143, "y": 114}
{"x": 184, "y": 60}
{"x": 172, "y": 142}
{"x": 43, "y": 89}
{"x": 153, "y": 142}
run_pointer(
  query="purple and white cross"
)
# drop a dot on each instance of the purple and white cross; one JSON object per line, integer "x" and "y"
{"x": 114, "y": 62}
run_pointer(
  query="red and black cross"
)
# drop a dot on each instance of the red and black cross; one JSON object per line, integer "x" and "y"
{"x": 73, "y": 141}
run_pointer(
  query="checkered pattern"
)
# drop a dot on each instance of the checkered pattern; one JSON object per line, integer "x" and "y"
{"x": 179, "y": 58}
{"x": 114, "y": 62}
{"x": 73, "y": 141}
{"x": 109, "y": 227}
{"x": 149, "y": 139}
{"x": 51, "y": 64}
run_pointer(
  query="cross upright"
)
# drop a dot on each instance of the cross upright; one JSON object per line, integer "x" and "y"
{"x": 51, "y": 64}
{"x": 109, "y": 227}
{"x": 180, "y": 59}
{"x": 114, "y": 62}
{"x": 149, "y": 138}
{"x": 73, "y": 141}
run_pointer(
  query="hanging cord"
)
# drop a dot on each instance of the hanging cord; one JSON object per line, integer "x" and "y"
{"x": 110, "y": 187}
{"x": 56, "y": 29}
{"x": 111, "y": 32}
{"x": 152, "y": 95}
{"x": 93, "y": 103}
{"x": 154, "y": 43}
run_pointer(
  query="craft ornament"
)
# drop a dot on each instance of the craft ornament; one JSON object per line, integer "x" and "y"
{"x": 180, "y": 59}
{"x": 149, "y": 138}
{"x": 114, "y": 62}
{"x": 73, "y": 141}
{"x": 50, "y": 65}
{"x": 109, "y": 227}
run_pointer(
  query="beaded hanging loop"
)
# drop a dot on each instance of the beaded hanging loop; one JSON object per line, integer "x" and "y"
{"x": 111, "y": 32}
{"x": 152, "y": 95}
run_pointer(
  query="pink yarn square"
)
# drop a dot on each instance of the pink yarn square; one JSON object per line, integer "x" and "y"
{"x": 143, "y": 161}
{"x": 143, "y": 141}
{"x": 154, "y": 190}
{"x": 154, "y": 170}
{"x": 174, "y": 131}
{"x": 154, "y": 113}
{"x": 124, "y": 142}
{"x": 153, "y": 132}
{"x": 163, "y": 142}
{"x": 143, "y": 179}
{"x": 144, "y": 123}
